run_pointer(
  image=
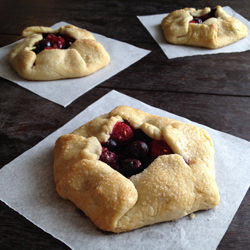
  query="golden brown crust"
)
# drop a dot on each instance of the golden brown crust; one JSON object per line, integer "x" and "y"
{"x": 168, "y": 189}
{"x": 85, "y": 56}
{"x": 212, "y": 33}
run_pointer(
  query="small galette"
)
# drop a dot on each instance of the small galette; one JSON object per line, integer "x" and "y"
{"x": 210, "y": 28}
{"x": 48, "y": 54}
{"x": 128, "y": 169}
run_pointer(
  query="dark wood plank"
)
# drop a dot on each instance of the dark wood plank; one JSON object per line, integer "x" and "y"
{"x": 18, "y": 233}
{"x": 210, "y": 74}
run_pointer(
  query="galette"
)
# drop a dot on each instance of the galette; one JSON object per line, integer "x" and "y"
{"x": 48, "y": 54}
{"x": 210, "y": 28}
{"x": 127, "y": 169}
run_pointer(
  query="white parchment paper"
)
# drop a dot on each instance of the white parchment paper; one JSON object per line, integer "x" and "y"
{"x": 63, "y": 92}
{"x": 152, "y": 24}
{"x": 27, "y": 186}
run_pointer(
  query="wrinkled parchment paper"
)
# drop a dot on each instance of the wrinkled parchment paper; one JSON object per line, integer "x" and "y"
{"x": 27, "y": 186}
{"x": 63, "y": 92}
{"x": 152, "y": 24}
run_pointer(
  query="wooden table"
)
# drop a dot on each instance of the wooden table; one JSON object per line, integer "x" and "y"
{"x": 213, "y": 90}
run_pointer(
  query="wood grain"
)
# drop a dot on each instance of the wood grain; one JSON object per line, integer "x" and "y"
{"x": 213, "y": 90}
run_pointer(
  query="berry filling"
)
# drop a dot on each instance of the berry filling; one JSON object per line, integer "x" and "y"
{"x": 130, "y": 151}
{"x": 203, "y": 18}
{"x": 53, "y": 41}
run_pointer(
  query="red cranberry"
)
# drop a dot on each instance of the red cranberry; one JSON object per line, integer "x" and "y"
{"x": 109, "y": 157}
{"x": 139, "y": 149}
{"x": 56, "y": 41}
{"x": 159, "y": 148}
{"x": 60, "y": 42}
{"x": 131, "y": 166}
{"x": 121, "y": 133}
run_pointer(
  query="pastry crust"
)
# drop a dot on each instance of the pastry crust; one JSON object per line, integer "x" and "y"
{"x": 171, "y": 187}
{"x": 214, "y": 32}
{"x": 85, "y": 56}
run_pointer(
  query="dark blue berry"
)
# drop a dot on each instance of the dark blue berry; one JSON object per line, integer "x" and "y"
{"x": 111, "y": 145}
{"x": 130, "y": 166}
{"x": 139, "y": 149}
